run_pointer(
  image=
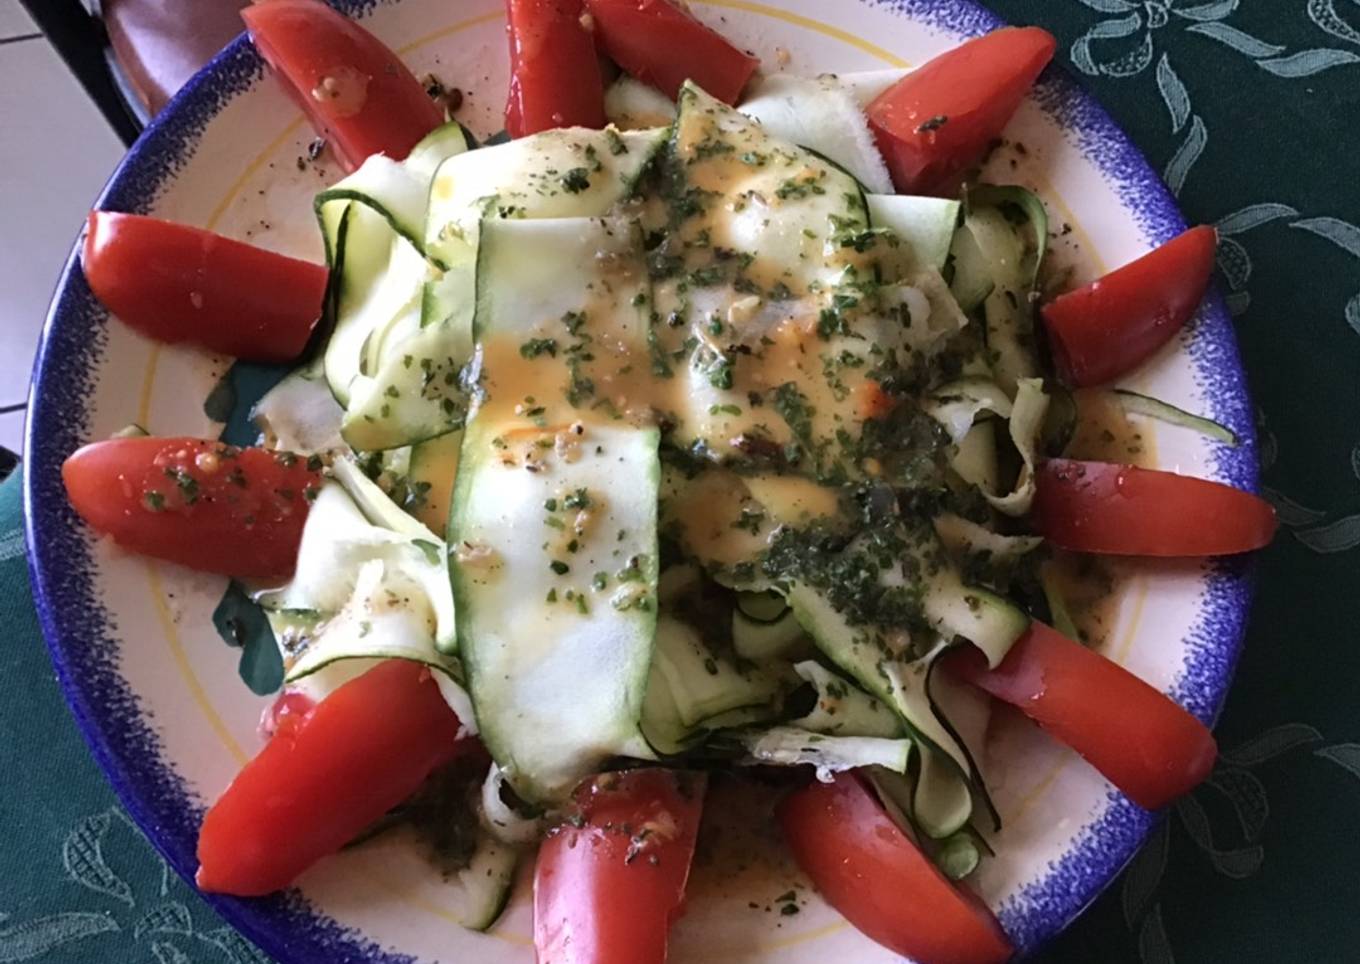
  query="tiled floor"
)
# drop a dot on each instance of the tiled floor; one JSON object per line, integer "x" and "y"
{"x": 56, "y": 151}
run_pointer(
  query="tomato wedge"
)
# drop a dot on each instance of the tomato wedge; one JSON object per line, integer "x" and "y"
{"x": 179, "y": 284}
{"x": 1114, "y": 324}
{"x": 940, "y": 118}
{"x": 1124, "y": 510}
{"x": 866, "y": 868}
{"x": 662, "y": 44}
{"x": 554, "y": 71}
{"x": 318, "y": 784}
{"x": 202, "y": 504}
{"x": 356, "y": 92}
{"x": 1144, "y": 743}
{"x": 610, "y": 881}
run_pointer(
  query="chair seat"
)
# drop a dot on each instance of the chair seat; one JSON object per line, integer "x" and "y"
{"x": 160, "y": 44}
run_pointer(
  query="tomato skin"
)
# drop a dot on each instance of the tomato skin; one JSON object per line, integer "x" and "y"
{"x": 356, "y": 92}
{"x": 180, "y": 284}
{"x": 663, "y": 45}
{"x": 867, "y": 868}
{"x": 555, "y": 73}
{"x": 200, "y": 503}
{"x": 513, "y": 119}
{"x": 1114, "y": 509}
{"x": 871, "y": 401}
{"x": 975, "y": 88}
{"x": 316, "y": 786}
{"x": 603, "y": 893}
{"x": 1117, "y": 322}
{"x": 286, "y": 714}
{"x": 1143, "y": 742}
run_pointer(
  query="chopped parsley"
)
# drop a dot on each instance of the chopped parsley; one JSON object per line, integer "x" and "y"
{"x": 576, "y": 180}
{"x": 538, "y": 346}
{"x": 187, "y": 484}
{"x": 800, "y": 187}
{"x": 751, "y": 520}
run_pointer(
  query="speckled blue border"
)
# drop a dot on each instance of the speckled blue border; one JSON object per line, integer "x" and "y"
{"x": 1045, "y": 907}
{"x": 82, "y": 637}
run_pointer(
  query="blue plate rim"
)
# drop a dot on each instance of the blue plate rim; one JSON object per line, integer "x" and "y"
{"x": 79, "y": 634}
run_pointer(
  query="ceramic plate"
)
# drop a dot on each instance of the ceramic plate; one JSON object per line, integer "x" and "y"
{"x": 158, "y": 695}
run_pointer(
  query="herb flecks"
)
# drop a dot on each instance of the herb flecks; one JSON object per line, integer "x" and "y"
{"x": 538, "y": 346}
{"x": 576, "y": 180}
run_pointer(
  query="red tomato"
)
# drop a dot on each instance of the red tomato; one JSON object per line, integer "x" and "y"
{"x": 554, "y": 72}
{"x": 866, "y": 868}
{"x": 203, "y": 504}
{"x": 316, "y": 786}
{"x": 661, "y": 44}
{"x": 357, "y": 93}
{"x": 1140, "y": 739}
{"x": 940, "y": 118}
{"x": 1124, "y": 510}
{"x": 610, "y": 881}
{"x": 179, "y": 284}
{"x": 513, "y": 120}
{"x": 1116, "y": 323}
{"x": 871, "y": 401}
{"x": 288, "y": 712}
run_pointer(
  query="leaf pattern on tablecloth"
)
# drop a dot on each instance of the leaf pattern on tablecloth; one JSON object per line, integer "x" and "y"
{"x": 1174, "y": 94}
{"x": 1124, "y": 44}
{"x": 169, "y": 954}
{"x": 1130, "y": 38}
{"x": 1235, "y": 261}
{"x": 169, "y": 918}
{"x": 1245, "y": 793}
{"x": 1344, "y": 755}
{"x": 1153, "y": 945}
{"x": 1272, "y": 743}
{"x": 1145, "y": 873}
{"x": 236, "y": 948}
{"x": 1235, "y": 862}
{"x": 1341, "y": 535}
{"x": 1178, "y": 168}
{"x": 157, "y": 912}
{"x": 34, "y": 938}
{"x": 83, "y": 855}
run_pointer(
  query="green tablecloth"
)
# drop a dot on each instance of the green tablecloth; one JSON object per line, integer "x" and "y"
{"x": 1252, "y": 110}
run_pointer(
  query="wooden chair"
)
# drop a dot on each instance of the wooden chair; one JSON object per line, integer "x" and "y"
{"x": 160, "y": 44}
{"x": 132, "y": 55}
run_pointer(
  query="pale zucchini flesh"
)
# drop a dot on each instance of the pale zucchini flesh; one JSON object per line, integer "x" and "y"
{"x": 790, "y": 746}
{"x": 820, "y": 114}
{"x": 704, "y": 684}
{"x": 491, "y": 310}
{"x": 555, "y": 508}
{"x": 558, "y": 690}
{"x": 434, "y": 466}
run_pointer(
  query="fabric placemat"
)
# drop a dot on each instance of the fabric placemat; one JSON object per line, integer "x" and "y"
{"x": 1252, "y": 111}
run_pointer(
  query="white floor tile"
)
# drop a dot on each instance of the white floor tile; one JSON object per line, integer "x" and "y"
{"x": 14, "y": 20}
{"x": 55, "y": 154}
